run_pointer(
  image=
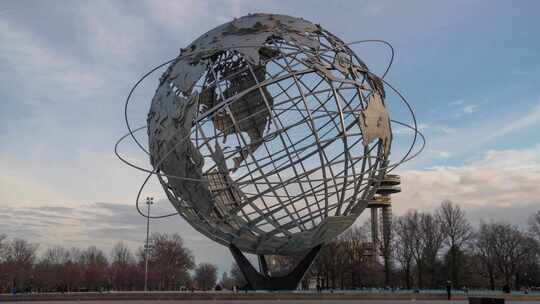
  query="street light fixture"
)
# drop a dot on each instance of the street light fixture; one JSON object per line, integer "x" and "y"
{"x": 149, "y": 202}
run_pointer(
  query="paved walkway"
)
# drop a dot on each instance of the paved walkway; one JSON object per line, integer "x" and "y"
{"x": 269, "y": 302}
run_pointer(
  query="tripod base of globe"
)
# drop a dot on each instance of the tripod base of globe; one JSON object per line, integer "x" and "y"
{"x": 263, "y": 281}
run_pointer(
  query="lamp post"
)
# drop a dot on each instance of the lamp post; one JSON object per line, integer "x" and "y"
{"x": 149, "y": 202}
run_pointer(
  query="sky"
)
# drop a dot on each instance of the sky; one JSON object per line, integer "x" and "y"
{"x": 469, "y": 68}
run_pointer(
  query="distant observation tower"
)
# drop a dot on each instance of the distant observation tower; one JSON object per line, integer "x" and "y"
{"x": 390, "y": 184}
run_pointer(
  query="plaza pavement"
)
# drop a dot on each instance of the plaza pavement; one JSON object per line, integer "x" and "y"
{"x": 267, "y": 302}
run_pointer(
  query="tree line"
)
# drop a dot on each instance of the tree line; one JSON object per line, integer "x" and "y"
{"x": 421, "y": 250}
{"x": 171, "y": 266}
{"x": 430, "y": 250}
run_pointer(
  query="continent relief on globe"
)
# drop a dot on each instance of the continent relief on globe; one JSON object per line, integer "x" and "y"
{"x": 222, "y": 78}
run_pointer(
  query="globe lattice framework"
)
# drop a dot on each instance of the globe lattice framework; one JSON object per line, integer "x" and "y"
{"x": 269, "y": 135}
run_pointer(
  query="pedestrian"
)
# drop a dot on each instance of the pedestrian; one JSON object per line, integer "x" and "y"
{"x": 449, "y": 289}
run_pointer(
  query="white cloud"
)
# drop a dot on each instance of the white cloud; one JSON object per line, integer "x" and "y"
{"x": 502, "y": 179}
{"x": 112, "y": 30}
{"x": 526, "y": 121}
{"x": 102, "y": 225}
{"x": 462, "y": 107}
{"x": 35, "y": 62}
{"x": 466, "y": 141}
{"x": 469, "y": 109}
{"x": 456, "y": 102}
{"x": 401, "y": 130}
{"x": 23, "y": 189}
{"x": 445, "y": 129}
{"x": 89, "y": 175}
{"x": 177, "y": 14}
{"x": 440, "y": 153}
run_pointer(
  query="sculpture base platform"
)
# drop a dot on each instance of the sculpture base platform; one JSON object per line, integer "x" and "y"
{"x": 263, "y": 281}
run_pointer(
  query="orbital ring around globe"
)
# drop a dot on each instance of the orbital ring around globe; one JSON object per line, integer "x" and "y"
{"x": 217, "y": 182}
{"x": 153, "y": 171}
{"x": 130, "y": 132}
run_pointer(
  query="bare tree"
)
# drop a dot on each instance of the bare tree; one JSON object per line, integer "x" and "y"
{"x": 386, "y": 248}
{"x": 94, "y": 266}
{"x": 121, "y": 255}
{"x": 534, "y": 225}
{"x": 19, "y": 260}
{"x": 457, "y": 231}
{"x": 122, "y": 267}
{"x": 50, "y": 272}
{"x": 484, "y": 246}
{"x": 169, "y": 262}
{"x": 205, "y": 276}
{"x": 56, "y": 255}
{"x": 405, "y": 232}
{"x": 330, "y": 263}
{"x": 511, "y": 248}
{"x": 341, "y": 262}
{"x": 417, "y": 245}
{"x": 3, "y": 272}
{"x": 21, "y": 252}
{"x": 355, "y": 240}
{"x": 432, "y": 237}
{"x": 74, "y": 270}
{"x": 3, "y": 246}
{"x": 534, "y": 232}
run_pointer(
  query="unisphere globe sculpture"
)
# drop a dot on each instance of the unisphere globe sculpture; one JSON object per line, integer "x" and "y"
{"x": 269, "y": 134}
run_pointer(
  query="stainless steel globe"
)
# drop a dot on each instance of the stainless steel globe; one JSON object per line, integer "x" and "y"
{"x": 269, "y": 133}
